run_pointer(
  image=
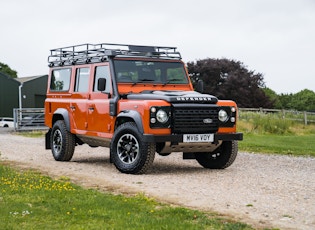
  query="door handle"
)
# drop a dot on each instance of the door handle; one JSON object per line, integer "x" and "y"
{"x": 91, "y": 109}
{"x": 72, "y": 107}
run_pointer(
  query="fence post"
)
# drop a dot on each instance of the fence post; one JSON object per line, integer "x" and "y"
{"x": 305, "y": 118}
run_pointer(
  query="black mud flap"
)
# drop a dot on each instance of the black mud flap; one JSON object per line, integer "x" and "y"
{"x": 47, "y": 139}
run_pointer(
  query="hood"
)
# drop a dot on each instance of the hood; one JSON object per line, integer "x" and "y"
{"x": 174, "y": 96}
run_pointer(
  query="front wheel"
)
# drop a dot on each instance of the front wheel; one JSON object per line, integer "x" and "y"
{"x": 62, "y": 142}
{"x": 128, "y": 152}
{"x": 221, "y": 158}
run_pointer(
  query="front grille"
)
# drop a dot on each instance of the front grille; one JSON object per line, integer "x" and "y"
{"x": 190, "y": 118}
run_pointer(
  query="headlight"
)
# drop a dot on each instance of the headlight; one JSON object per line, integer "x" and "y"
{"x": 223, "y": 116}
{"x": 161, "y": 116}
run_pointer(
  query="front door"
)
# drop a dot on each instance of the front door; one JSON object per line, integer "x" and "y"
{"x": 99, "y": 120}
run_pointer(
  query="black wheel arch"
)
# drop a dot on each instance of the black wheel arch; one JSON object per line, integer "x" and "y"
{"x": 62, "y": 114}
{"x": 130, "y": 116}
{"x": 59, "y": 114}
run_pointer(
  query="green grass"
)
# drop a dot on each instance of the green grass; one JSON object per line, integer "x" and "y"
{"x": 279, "y": 144}
{"x": 29, "y": 200}
{"x": 32, "y": 133}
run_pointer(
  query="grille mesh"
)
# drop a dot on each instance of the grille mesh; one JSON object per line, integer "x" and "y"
{"x": 189, "y": 118}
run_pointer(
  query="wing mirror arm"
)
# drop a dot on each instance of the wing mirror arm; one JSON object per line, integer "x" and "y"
{"x": 200, "y": 86}
{"x": 101, "y": 84}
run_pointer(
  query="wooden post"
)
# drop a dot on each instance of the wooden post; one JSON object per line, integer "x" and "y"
{"x": 305, "y": 118}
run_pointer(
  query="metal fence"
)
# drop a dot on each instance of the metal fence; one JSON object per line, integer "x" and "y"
{"x": 305, "y": 117}
{"x": 34, "y": 118}
{"x": 28, "y": 119}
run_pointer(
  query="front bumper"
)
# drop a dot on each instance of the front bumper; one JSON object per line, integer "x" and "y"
{"x": 179, "y": 137}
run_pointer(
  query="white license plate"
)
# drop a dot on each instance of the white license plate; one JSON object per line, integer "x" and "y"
{"x": 198, "y": 138}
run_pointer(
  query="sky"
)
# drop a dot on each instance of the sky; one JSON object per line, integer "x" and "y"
{"x": 272, "y": 37}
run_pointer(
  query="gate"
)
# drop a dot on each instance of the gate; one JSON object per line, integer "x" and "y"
{"x": 28, "y": 119}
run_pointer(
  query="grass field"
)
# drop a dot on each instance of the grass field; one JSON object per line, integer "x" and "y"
{"x": 29, "y": 200}
{"x": 267, "y": 133}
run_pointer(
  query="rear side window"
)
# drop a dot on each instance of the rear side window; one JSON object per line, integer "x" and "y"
{"x": 82, "y": 80}
{"x": 60, "y": 80}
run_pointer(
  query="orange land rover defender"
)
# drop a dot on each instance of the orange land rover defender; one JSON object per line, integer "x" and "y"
{"x": 138, "y": 101}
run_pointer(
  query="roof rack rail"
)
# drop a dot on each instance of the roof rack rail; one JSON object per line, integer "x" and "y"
{"x": 93, "y": 53}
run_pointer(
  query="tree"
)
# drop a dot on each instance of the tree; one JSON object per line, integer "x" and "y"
{"x": 229, "y": 79}
{"x": 274, "y": 97}
{"x": 301, "y": 101}
{"x": 4, "y": 68}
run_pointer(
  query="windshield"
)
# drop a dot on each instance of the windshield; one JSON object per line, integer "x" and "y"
{"x": 134, "y": 71}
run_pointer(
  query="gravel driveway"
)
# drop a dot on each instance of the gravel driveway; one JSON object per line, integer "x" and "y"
{"x": 262, "y": 190}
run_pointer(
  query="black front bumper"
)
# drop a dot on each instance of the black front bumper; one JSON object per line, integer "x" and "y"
{"x": 179, "y": 137}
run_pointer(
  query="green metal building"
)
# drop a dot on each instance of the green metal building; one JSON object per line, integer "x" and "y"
{"x": 9, "y": 95}
{"x": 30, "y": 90}
{"x": 33, "y": 91}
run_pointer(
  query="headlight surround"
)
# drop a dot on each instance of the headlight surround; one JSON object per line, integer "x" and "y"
{"x": 223, "y": 116}
{"x": 227, "y": 116}
{"x": 161, "y": 116}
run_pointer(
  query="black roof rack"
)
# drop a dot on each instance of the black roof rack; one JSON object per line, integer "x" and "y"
{"x": 93, "y": 53}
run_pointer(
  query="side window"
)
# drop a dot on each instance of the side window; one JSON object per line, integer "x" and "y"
{"x": 60, "y": 80}
{"x": 82, "y": 80}
{"x": 102, "y": 72}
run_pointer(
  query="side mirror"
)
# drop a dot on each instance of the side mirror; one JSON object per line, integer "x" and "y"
{"x": 200, "y": 86}
{"x": 101, "y": 84}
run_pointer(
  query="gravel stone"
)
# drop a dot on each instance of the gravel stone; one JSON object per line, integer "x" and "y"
{"x": 259, "y": 189}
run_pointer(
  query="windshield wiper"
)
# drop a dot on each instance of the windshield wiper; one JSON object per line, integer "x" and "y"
{"x": 145, "y": 79}
{"x": 141, "y": 80}
{"x": 170, "y": 80}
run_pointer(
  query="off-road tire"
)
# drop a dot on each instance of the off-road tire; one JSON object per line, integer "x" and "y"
{"x": 128, "y": 152}
{"x": 62, "y": 142}
{"x": 221, "y": 158}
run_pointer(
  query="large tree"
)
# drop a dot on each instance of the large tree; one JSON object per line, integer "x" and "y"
{"x": 4, "y": 68}
{"x": 229, "y": 79}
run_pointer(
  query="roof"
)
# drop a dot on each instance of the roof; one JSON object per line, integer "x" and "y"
{"x": 27, "y": 79}
{"x": 8, "y": 77}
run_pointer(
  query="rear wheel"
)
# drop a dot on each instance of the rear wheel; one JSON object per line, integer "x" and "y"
{"x": 62, "y": 142}
{"x": 221, "y": 158}
{"x": 128, "y": 152}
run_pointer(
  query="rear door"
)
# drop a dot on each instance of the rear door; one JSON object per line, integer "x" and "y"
{"x": 79, "y": 97}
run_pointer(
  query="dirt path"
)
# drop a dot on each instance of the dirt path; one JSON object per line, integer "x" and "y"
{"x": 262, "y": 190}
